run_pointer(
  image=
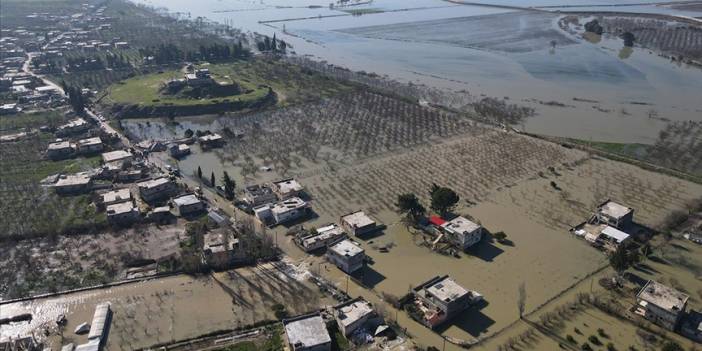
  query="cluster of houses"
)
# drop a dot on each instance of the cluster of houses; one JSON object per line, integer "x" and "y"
{"x": 198, "y": 78}
{"x": 181, "y": 148}
{"x": 356, "y": 319}
{"x": 28, "y": 91}
{"x": 276, "y": 203}
{"x": 606, "y": 228}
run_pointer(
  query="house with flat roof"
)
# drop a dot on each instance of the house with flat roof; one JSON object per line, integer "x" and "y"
{"x": 307, "y": 333}
{"x": 122, "y": 213}
{"x": 157, "y": 189}
{"x": 462, "y": 232}
{"x": 116, "y": 196}
{"x": 349, "y": 256}
{"x": 358, "y": 223}
{"x": 209, "y": 141}
{"x": 60, "y": 149}
{"x": 603, "y": 236}
{"x": 75, "y": 126}
{"x": 218, "y": 249}
{"x": 287, "y": 188}
{"x": 614, "y": 214}
{"x": 661, "y": 304}
{"x": 118, "y": 155}
{"x": 321, "y": 238}
{"x": 355, "y": 314}
{"x": 440, "y": 299}
{"x": 73, "y": 184}
{"x": 187, "y": 204}
{"x": 282, "y": 211}
{"x": 179, "y": 150}
{"x": 90, "y": 145}
{"x": 256, "y": 195}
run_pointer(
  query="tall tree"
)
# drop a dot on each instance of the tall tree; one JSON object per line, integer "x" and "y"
{"x": 410, "y": 206}
{"x": 521, "y": 299}
{"x": 229, "y": 185}
{"x": 212, "y": 179}
{"x": 199, "y": 172}
{"x": 443, "y": 199}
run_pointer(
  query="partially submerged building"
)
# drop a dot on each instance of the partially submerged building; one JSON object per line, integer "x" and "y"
{"x": 187, "y": 204}
{"x": 219, "y": 248}
{"x": 661, "y": 304}
{"x": 462, "y": 232}
{"x": 321, "y": 238}
{"x": 358, "y": 223}
{"x": 256, "y": 195}
{"x": 307, "y": 333}
{"x": 439, "y": 299}
{"x": 283, "y": 211}
{"x": 179, "y": 150}
{"x": 157, "y": 189}
{"x": 355, "y": 314}
{"x": 614, "y": 214}
{"x": 209, "y": 141}
{"x": 287, "y": 188}
{"x": 347, "y": 255}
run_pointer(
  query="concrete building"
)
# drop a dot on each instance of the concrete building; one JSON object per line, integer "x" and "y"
{"x": 218, "y": 249}
{"x": 117, "y": 156}
{"x": 187, "y": 204}
{"x": 661, "y": 304}
{"x": 122, "y": 213}
{"x": 209, "y": 141}
{"x": 283, "y": 211}
{"x": 75, "y": 126}
{"x": 441, "y": 298}
{"x": 116, "y": 196}
{"x": 355, "y": 314}
{"x": 347, "y": 255}
{"x": 307, "y": 333}
{"x": 60, "y": 149}
{"x": 73, "y": 184}
{"x": 358, "y": 223}
{"x": 98, "y": 328}
{"x": 287, "y": 188}
{"x": 255, "y": 195}
{"x": 157, "y": 189}
{"x": 462, "y": 232}
{"x": 90, "y": 145}
{"x": 179, "y": 150}
{"x": 614, "y": 214}
{"x": 323, "y": 237}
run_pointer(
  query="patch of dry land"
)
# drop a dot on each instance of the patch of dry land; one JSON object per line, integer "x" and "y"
{"x": 173, "y": 308}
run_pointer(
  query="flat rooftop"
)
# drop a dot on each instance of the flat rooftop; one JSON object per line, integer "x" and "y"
{"x": 90, "y": 141}
{"x": 352, "y": 311}
{"x": 73, "y": 179}
{"x": 218, "y": 242}
{"x": 663, "y": 296}
{"x": 186, "y": 200}
{"x": 322, "y": 234}
{"x": 116, "y": 195}
{"x": 347, "y": 248}
{"x": 614, "y": 210}
{"x": 307, "y": 331}
{"x": 461, "y": 225}
{"x": 154, "y": 183}
{"x": 257, "y": 190}
{"x": 287, "y": 186}
{"x": 290, "y": 204}
{"x": 358, "y": 219}
{"x": 446, "y": 290}
{"x": 119, "y": 208}
{"x": 59, "y": 145}
{"x": 615, "y": 234}
{"x": 116, "y": 155}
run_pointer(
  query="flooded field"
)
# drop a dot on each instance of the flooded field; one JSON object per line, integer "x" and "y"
{"x": 173, "y": 308}
{"x": 479, "y": 49}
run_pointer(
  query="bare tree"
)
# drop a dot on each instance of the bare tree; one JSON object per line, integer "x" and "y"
{"x": 521, "y": 300}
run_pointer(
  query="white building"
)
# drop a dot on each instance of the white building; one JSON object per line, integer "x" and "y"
{"x": 347, "y": 255}
{"x": 441, "y": 298}
{"x": 661, "y": 304}
{"x": 283, "y": 211}
{"x": 358, "y": 223}
{"x": 462, "y": 232}
{"x": 116, "y": 196}
{"x": 614, "y": 214}
{"x": 187, "y": 204}
{"x": 307, "y": 333}
{"x": 287, "y": 188}
{"x": 210, "y": 140}
{"x": 156, "y": 189}
{"x": 322, "y": 237}
{"x": 355, "y": 314}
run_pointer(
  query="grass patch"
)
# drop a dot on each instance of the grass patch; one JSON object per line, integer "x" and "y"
{"x": 634, "y": 150}
{"x": 32, "y": 120}
{"x": 358, "y": 12}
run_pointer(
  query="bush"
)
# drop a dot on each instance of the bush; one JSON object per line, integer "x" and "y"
{"x": 602, "y": 333}
{"x": 672, "y": 346}
{"x": 571, "y": 339}
{"x": 610, "y": 347}
{"x": 586, "y": 347}
{"x": 593, "y": 339}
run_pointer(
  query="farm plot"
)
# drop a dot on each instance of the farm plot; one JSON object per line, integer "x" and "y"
{"x": 473, "y": 166}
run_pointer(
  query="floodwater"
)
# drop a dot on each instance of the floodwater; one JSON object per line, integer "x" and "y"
{"x": 608, "y": 91}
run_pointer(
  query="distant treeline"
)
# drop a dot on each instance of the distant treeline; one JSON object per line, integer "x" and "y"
{"x": 168, "y": 53}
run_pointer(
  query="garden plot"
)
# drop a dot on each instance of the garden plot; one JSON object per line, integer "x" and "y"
{"x": 509, "y": 32}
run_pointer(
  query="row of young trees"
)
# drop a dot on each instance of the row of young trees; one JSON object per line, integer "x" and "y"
{"x": 75, "y": 97}
{"x": 228, "y": 183}
{"x": 272, "y": 45}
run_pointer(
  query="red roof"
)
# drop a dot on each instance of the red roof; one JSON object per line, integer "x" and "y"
{"x": 436, "y": 220}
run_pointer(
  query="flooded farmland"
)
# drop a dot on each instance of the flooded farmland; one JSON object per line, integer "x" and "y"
{"x": 433, "y": 42}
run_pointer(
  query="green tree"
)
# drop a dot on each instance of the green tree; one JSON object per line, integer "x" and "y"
{"x": 443, "y": 199}
{"x": 672, "y": 346}
{"x": 199, "y": 172}
{"x": 212, "y": 179}
{"x": 619, "y": 260}
{"x": 410, "y": 206}
{"x": 229, "y": 186}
